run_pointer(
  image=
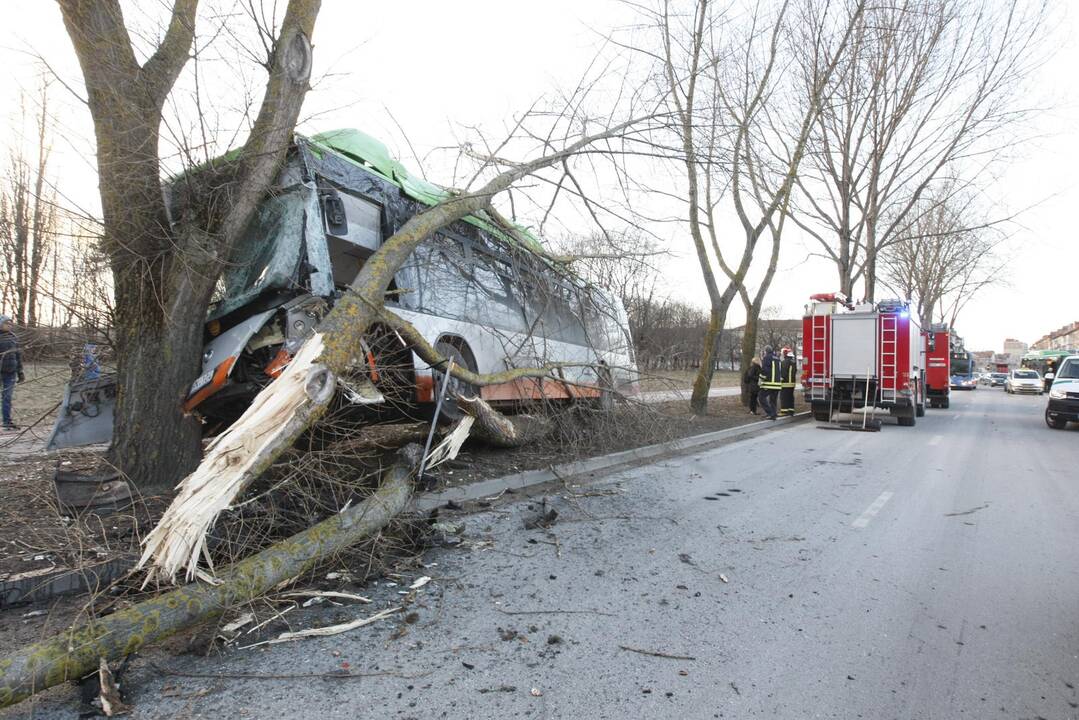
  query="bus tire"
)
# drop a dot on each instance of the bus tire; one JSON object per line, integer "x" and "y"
{"x": 458, "y": 351}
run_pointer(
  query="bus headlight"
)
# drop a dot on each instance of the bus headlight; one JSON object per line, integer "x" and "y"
{"x": 1057, "y": 394}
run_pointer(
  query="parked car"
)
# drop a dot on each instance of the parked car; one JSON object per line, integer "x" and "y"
{"x": 1022, "y": 380}
{"x": 997, "y": 379}
{"x": 1063, "y": 406}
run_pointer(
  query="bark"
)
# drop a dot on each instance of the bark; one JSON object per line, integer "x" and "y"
{"x": 164, "y": 279}
{"x": 702, "y": 383}
{"x": 78, "y": 651}
{"x": 499, "y": 430}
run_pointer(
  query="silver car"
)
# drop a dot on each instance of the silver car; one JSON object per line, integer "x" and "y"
{"x": 1022, "y": 380}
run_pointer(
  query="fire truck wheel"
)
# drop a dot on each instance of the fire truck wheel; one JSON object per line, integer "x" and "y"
{"x": 822, "y": 415}
{"x": 907, "y": 420}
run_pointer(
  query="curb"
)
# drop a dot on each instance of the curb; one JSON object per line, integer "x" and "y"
{"x": 529, "y": 478}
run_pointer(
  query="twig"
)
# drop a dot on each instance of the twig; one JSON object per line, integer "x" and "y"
{"x": 299, "y": 676}
{"x": 656, "y": 653}
{"x": 553, "y": 612}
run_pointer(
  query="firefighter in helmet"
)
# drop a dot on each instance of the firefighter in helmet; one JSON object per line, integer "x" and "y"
{"x": 770, "y": 382}
{"x": 787, "y": 371}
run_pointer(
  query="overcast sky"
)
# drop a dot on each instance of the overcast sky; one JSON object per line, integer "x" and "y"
{"x": 440, "y": 66}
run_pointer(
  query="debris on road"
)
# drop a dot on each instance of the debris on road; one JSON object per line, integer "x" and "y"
{"x": 420, "y": 582}
{"x": 329, "y": 629}
{"x": 112, "y": 703}
{"x": 967, "y": 512}
{"x": 657, "y": 653}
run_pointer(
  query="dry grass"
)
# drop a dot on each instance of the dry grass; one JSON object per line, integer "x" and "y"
{"x": 681, "y": 379}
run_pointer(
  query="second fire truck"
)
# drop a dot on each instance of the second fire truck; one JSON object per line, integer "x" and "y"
{"x": 862, "y": 356}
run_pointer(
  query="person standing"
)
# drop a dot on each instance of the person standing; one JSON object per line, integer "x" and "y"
{"x": 10, "y": 367}
{"x": 787, "y": 371}
{"x": 769, "y": 382}
{"x": 751, "y": 379}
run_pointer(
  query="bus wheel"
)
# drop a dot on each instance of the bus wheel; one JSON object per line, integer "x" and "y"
{"x": 461, "y": 357}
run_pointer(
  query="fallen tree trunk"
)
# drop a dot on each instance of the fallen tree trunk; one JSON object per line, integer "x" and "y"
{"x": 235, "y": 459}
{"x": 503, "y": 430}
{"x": 77, "y": 652}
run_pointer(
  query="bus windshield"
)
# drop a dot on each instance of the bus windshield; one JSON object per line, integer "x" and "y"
{"x": 961, "y": 364}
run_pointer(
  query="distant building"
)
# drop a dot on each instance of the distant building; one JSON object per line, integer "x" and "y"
{"x": 1015, "y": 347}
{"x": 983, "y": 360}
{"x": 1065, "y": 338}
{"x": 1003, "y": 362}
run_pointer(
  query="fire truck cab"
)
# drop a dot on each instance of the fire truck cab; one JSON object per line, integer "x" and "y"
{"x": 938, "y": 369}
{"x": 862, "y": 356}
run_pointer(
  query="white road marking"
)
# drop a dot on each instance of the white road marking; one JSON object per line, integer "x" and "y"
{"x": 955, "y": 417}
{"x": 872, "y": 510}
{"x": 935, "y": 440}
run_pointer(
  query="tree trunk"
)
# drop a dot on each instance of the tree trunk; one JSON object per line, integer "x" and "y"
{"x": 698, "y": 401}
{"x": 154, "y": 442}
{"x": 77, "y": 651}
{"x": 749, "y": 349}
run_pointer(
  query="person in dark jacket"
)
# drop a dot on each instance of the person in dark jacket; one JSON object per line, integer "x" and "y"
{"x": 751, "y": 379}
{"x": 10, "y": 367}
{"x": 788, "y": 369}
{"x": 770, "y": 382}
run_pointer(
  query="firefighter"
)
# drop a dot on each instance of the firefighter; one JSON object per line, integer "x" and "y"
{"x": 787, "y": 371}
{"x": 769, "y": 382}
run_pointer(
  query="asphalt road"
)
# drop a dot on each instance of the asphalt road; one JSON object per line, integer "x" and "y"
{"x": 925, "y": 572}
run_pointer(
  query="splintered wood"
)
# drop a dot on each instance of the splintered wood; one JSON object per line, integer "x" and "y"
{"x": 233, "y": 460}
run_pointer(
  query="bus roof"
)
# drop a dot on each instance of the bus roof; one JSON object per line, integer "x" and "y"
{"x": 371, "y": 154}
{"x": 1042, "y": 354}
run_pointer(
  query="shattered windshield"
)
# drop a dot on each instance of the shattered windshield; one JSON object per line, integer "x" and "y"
{"x": 268, "y": 253}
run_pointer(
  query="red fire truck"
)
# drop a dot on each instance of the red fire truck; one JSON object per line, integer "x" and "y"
{"x": 861, "y": 356}
{"x": 938, "y": 367}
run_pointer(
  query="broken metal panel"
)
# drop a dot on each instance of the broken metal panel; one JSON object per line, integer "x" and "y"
{"x": 228, "y": 344}
{"x": 86, "y": 414}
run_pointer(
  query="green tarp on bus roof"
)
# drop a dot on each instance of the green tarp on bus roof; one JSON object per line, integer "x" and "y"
{"x": 361, "y": 148}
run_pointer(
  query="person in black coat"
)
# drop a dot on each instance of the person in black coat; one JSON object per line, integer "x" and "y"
{"x": 751, "y": 379}
{"x": 770, "y": 383}
{"x": 10, "y": 368}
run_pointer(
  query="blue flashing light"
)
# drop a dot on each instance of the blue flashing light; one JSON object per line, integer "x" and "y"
{"x": 904, "y": 314}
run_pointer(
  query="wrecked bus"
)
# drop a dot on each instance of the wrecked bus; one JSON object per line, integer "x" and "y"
{"x": 488, "y": 299}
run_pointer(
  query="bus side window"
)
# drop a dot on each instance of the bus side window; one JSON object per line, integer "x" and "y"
{"x": 493, "y": 296}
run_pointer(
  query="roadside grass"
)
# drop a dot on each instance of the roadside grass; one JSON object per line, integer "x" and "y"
{"x": 681, "y": 379}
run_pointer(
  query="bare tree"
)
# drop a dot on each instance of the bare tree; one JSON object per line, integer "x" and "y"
{"x": 738, "y": 137}
{"x": 944, "y": 255}
{"x": 164, "y": 272}
{"x": 28, "y": 217}
{"x": 928, "y": 88}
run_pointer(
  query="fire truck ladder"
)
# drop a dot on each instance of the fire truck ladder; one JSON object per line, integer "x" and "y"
{"x": 889, "y": 386}
{"x": 818, "y": 358}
